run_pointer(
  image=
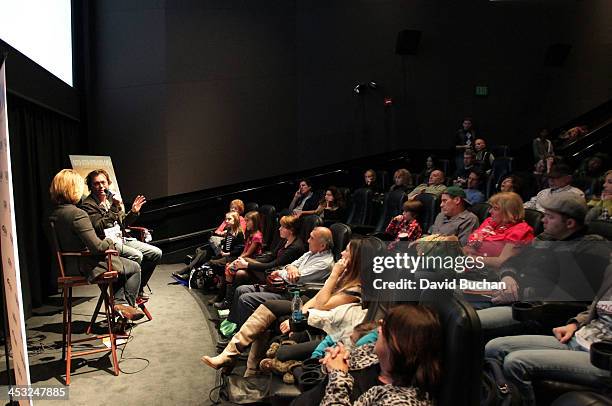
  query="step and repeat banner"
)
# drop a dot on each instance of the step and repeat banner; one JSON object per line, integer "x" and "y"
{"x": 10, "y": 254}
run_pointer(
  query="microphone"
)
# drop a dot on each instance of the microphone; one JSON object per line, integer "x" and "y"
{"x": 109, "y": 194}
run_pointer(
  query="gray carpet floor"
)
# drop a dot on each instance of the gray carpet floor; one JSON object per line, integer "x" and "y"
{"x": 160, "y": 364}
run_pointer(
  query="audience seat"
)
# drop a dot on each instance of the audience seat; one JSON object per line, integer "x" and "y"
{"x": 481, "y": 210}
{"x": 600, "y": 227}
{"x": 534, "y": 219}
{"x": 268, "y": 224}
{"x": 392, "y": 206}
{"x": 360, "y": 214}
{"x": 501, "y": 167}
{"x": 463, "y": 352}
{"x": 583, "y": 399}
{"x": 431, "y": 208}
{"x": 341, "y": 234}
{"x": 307, "y": 224}
{"x": 250, "y": 206}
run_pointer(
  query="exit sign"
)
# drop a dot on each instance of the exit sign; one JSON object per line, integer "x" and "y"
{"x": 482, "y": 90}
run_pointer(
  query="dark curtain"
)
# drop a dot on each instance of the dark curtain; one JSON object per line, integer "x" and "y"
{"x": 41, "y": 141}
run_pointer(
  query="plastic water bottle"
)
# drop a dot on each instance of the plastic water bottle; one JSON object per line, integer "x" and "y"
{"x": 296, "y": 307}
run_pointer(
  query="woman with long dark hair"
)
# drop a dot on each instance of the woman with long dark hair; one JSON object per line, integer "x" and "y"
{"x": 408, "y": 351}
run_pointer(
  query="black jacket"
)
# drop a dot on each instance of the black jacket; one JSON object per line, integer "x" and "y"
{"x": 281, "y": 256}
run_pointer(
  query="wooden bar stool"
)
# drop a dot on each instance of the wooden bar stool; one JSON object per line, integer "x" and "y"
{"x": 66, "y": 283}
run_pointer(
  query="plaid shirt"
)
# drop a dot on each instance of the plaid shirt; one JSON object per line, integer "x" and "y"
{"x": 412, "y": 228}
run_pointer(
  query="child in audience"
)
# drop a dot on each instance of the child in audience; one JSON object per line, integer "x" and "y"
{"x": 252, "y": 247}
{"x": 204, "y": 253}
{"x": 405, "y": 227}
{"x": 231, "y": 247}
{"x": 363, "y": 333}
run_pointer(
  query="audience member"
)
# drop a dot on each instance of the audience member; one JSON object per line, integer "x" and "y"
{"x": 341, "y": 287}
{"x": 531, "y": 357}
{"x": 236, "y": 205}
{"x": 107, "y": 214}
{"x": 462, "y": 173}
{"x": 253, "y": 247}
{"x": 503, "y": 234}
{"x": 430, "y": 166}
{"x": 559, "y": 179}
{"x": 601, "y": 209}
{"x": 464, "y": 139}
{"x": 75, "y": 233}
{"x": 363, "y": 333}
{"x": 231, "y": 247}
{"x": 574, "y": 133}
{"x": 541, "y": 146}
{"x": 313, "y": 266}
{"x": 405, "y": 226}
{"x": 472, "y": 188}
{"x": 590, "y": 173}
{"x": 453, "y": 218}
{"x": 402, "y": 180}
{"x": 434, "y": 186}
{"x": 536, "y": 273}
{"x": 331, "y": 206}
{"x": 484, "y": 158}
{"x": 540, "y": 176}
{"x": 304, "y": 198}
{"x": 289, "y": 248}
{"x": 204, "y": 253}
{"x": 370, "y": 181}
{"x": 408, "y": 350}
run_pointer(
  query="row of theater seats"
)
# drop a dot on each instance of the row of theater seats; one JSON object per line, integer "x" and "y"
{"x": 464, "y": 339}
{"x": 364, "y": 218}
{"x": 464, "y": 342}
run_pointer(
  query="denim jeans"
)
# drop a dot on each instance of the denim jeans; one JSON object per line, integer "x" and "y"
{"x": 128, "y": 283}
{"x": 531, "y": 357}
{"x": 247, "y": 298}
{"x": 146, "y": 255}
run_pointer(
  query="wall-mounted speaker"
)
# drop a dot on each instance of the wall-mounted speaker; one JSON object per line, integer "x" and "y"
{"x": 407, "y": 42}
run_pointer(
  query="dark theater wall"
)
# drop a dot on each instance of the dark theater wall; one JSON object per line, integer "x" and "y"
{"x": 195, "y": 94}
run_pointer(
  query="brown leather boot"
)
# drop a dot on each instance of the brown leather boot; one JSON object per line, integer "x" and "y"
{"x": 255, "y": 325}
{"x": 258, "y": 350}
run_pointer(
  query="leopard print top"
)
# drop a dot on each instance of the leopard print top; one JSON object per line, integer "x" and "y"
{"x": 340, "y": 385}
{"x": 362, "y": 357}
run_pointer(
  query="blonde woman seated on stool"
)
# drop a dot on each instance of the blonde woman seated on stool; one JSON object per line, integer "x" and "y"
{"x": 75, "y": 233}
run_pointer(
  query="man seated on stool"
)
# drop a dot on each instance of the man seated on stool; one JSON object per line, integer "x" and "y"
{"x": 107, "y": 214}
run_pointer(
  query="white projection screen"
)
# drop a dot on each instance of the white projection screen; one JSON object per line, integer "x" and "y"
{"x": 42, "y": 31}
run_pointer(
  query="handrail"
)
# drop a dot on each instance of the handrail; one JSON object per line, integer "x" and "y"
{"x": 184, "y": 236}
{"x": 268, "y": 182}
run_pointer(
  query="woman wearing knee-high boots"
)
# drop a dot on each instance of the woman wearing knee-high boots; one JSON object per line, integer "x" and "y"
{"x": 342, "y": 287}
